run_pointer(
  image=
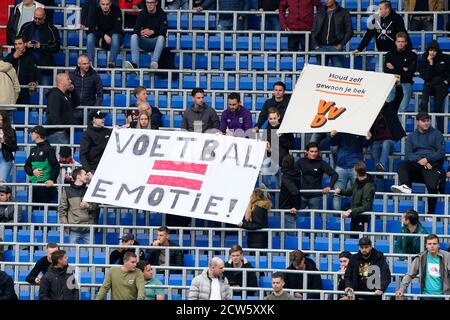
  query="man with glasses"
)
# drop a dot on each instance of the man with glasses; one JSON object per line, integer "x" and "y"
{"x": 149, "y": 34}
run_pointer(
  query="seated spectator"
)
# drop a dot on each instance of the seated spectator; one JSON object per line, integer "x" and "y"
{"x": 42, "y": 265}
{"x": 285, "y": 140}
{"x": 331, "y": 31}
{"x": 142, "y": 104}
{"x": 149, "y": 34}
{"x": 419, "y": 22}
{"x": 271, "y": 19}
{"x": 294, "y": 280}
{"x": 127, "y": 240}
{"x": 290, "y": 197}
{"x": 199, "y": 117}
{"x": 211, "y": 283}
{"x": 424, "y": 158}
{"x": 235, "y": 278}
{"x": 8, "y": 82}
{"x": 147, "y": 271}
{"x": 411, "y": 224}
{"x": 279, "y": 100}
{"x": 7, "y": 287}
{"x": 19, "y": 15}
{"x": 26, "y": 69}
{"x": 8, "y": 145}
{"x": 363, "y": 194}
{"x": 6, "y": 211}
{"x": 144, "y": 120}
{"x": 226, "y": 20}
{"x": 344, "y": 258}
{"x": 106, "y": 32}
{"x": 177, "y": 4}
{"x": 256, "y": 217}
{"x": 277, "y": 286}
{"x": 158, "y": 256}
{"x": 65, "y": 157}
{"x": 125, "y": 282}
{"x": 200, "y": 5}
{"x": 434, "y": 68}
{"x": 235, "y": 119}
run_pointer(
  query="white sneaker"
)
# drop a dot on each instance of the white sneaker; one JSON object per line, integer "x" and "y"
{"x": 154, "y": 65}
{"x": 401, "y": 189}
{"x": 128, "y": 65}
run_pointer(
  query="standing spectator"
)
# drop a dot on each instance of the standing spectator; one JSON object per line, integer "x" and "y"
{"x": 419, "y": 22}
{"x": 73, "y": 210}
{"x": 199, "y": 116}
{"x": 256, "y": 217}
{"x": 43, "y": 41}
{"x": 6, "y": 211}
{"x": 61, "y": 103}
{"x": 56, "y": 283}
{"x": 42, "y": 167}
{"x": 46, "y": 3}
{"x": 143, "y": 121}
{"x": 332, "y": 30}
{"x": 211, "y": 284}
{"x": 344, "y": 258}
{"x": 272, "y": 21}
{"x": 149, "y": 34}
{"x": 117, "y": 256}
{"x": 19, "y": 15}
{"x": 368, "y": 263}
{"x": 6, "y": 287}
{"x": 350, "y": 150}
{"x": 8, "y": 82}
{"x": 88, "y": 13}
{"x": 147, "y": 271}
{"x": 177, "y": 4}
{"x": 434, "y": 68}
{"x": 237, "y": 260}
{"x": 125, "y": 282}
{"x": 226, "y": 19}
{"x": 363, "y": 194}
{"x": 235, "y": 119}
{"x": 300, "y": 18}
{"x": 26, "y": 69}
{"x": 424, "y": 158}
{"x": 142, "y": 105}
{"x": 295, "y": 280}
{"x": 285, "y": 140}
{"x": 411, "y": 224}
{"x": 401, "y": 62}
{"x": 42, "y": 265}
{"x": 131, "y": 16}
{"x": 200, "y": 5}
{"x": 279, "y": 100}
{"x": 158, "y": 256}
{"x": 8, "y": 145}
{"x": 290, "y": 197}
{"x": 65, "y": 157}
{"x": 277, "y": 286}
{"x": 432, "y": 267}
{"x": 106, "y": 32}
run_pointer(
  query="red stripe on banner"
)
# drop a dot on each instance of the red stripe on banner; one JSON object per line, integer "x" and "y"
{"x": 175, "y": 182}
{"x": 180, "y": 166}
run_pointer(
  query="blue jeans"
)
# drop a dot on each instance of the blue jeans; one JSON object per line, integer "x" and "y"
{"x": 147, "y": 44}
{"x": 381, "y": 151}
{"x": 58, "y": 138}
{"x": 336, "y": 60}
{"x": 226, "y": 23}
{"x": 92, "y": 41}
{"x": 5, "y": 167}
{"x": 311, "y": 203}
{"x": 178, "y": 4}
{"x": 272, "y": 23}
{"x": 407, "y": 93}
{"x": 345, "y": 176}
{"x": 79, "y": 237}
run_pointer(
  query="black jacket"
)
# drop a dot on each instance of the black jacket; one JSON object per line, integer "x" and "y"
{"x": 9, "y": 145}
{"x": 176, "y": 257}
{"x": 235, "y": 277}
{"x": 57, "y": 284}
{"x": 312, "y": 172}
{"x": 400, "y": 60}
{"x": 49, "y": 39}
{"x": 290, "y": 196}
{"x": 117, "y": 257}
{"x": 60, "y": 108}
{"x": 40, "y": 156}
{"x": 154, "y": 21}
{"x": 343, "y": 30}
{"x": 89, "y": 87}
{"x": 107, "y": 24}
{"x": 6, "y": 287}
{"x": 439, "y": 71}
{"x": 92, "y": 146}
{"x": 41, "y": 266}
{"x": 257, "y": 239}
{"x": 384, "y": 32}
{"x": 356, "y": 274}
{"x": 88, "y": 13}
{"x": 25, "y": 67}
{"x": 285, "y": 143}
{"x": 295, "y": 280}
{"x": 272, "y": 103}
{"x": 268, "y": 5}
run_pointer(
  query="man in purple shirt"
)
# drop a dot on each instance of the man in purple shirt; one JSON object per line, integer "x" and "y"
{"x": 235, "y": 118}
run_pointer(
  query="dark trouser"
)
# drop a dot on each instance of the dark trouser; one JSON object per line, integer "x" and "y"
{"x": 439, "y": 91}
{"x": 296, "y": 42}
{"x": 410, "y": 171}
{"x": 24, "y": 96}
{"x": 357, "y": 224}
{"x": 371, "y": 298}
{"x": 43, "y": 194}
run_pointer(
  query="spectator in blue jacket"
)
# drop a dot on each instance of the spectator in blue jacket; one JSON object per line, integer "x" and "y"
{"x": 424, "y": 158}
{"x": 235, "y": 118}
{"x": 226, "y": 20}
{"x": 350, "y": 149}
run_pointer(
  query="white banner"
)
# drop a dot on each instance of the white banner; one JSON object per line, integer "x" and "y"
{"x": 197, "y": 175}
{"x": 345, "y": 100}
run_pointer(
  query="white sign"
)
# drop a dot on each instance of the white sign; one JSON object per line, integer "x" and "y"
{"x": 345, "y": 100}
{"x": 199, "y": 175}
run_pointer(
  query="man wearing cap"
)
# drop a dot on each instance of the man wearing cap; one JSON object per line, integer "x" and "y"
{"x": 42, "y": 167}
{"x": 367, "y": 271}
{"x": 127, "y": 240}
{"x": 6, "y": 211}
{"x": 65, "y": 157}
{"x": 424, "y": 158}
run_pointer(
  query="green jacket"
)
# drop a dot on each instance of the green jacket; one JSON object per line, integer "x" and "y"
{"x": 362, "y": 193}
{"x": 43, "y": 157}
{"x": 409, "y": 245}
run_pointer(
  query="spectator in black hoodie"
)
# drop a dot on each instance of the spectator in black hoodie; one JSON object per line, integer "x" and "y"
{"x": 116, "y": 256}
{"x": 344, "y": 259}
{"x": 158, "y": 256}
{"x": 272, "y": 21}
{"x": 235, "y": 278}
{"x": 6, "y": 287}
{"x": 279, "y": 100}
{"x": 290, "y": 197}
{"x": 434, "y": 68}
{"x": 294, "y": 280}
{"x": 42, "y": 265}
{"x": 367, "y": 271}
{"x": 285, "y": 140}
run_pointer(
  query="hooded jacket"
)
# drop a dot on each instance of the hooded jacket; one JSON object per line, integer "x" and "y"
{"x": 25, "y": 66}
{"x": 290, "y": 196}
{"x": 60, "y": 108}
{"x": 9, "y": 83}
{"x": 92, "y": 146}
{"x": 343, "y": 30}
{"x": 301, "y": 14}
{"x": 154, "y": 21}
{"x": 439, "y": 71}
{"x": 295, "y": 280}
{"x": 312, "y": 172}
{"x": 363, "y": 194}
{"x": 107, "y": 24}
{"x": 201, "y": 287}
{"x": 14, "y": 18}
{"x": 6, "y": 287}
{"x": 272, "y": 103}
{"x": 235, "y": 277}
{"x": 43, "y": 157}
{"x": 54, "y": 285}
{"x": 88, "y": 87}
{"x": 409, "y": 245}
{"x": 350, "y": 149}
{"x": 204, "y": 113}
{"x": 176, "y": 257}
{"x": 429, "y": 144}
{"x": 7, "y": 212}
{"x": 258, "y": 239}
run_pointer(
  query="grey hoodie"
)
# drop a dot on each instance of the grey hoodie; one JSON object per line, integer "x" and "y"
{"x": 205, "y": 114}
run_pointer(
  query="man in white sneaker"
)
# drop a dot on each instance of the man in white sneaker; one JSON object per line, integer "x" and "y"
{"x": 424, "y": 157}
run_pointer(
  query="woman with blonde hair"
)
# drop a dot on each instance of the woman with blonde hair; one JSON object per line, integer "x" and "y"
{"x": 143, "y": 120}
{"x": 256, "y": 217}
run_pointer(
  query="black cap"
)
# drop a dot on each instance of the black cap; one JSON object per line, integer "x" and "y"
{"x": 65, "y": 151}
{"x": 5, "y": 189}
{"x": 365, "y": 242}
{"x": 127, "y": 237}
{"x": 422, "y": 115}
{"x": 40, "y": 130}
{"x": 97, "y": 114}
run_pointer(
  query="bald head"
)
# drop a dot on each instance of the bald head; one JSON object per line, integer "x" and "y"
{"x": 216, "y": 266}
{"x": 39, "y": 16}
{"x": 63, "y": 82}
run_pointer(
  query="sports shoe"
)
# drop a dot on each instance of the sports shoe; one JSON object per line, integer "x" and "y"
{"x": 401, "y": 189}
{"x": 154, "y": 65}
{"x": 129, "y": 65}
{"x": 379, "y": 167}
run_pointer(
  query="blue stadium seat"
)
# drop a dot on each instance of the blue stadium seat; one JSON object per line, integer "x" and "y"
{"x": 38, "y": 254}
{"x": 327, "y": 284}
{"x": 265, "y": 282}
{"x": 99, "y": 257}
{"x": 24, "y": 256}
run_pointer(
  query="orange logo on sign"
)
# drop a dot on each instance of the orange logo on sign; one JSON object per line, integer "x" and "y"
{"x": 322, "y": 109}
